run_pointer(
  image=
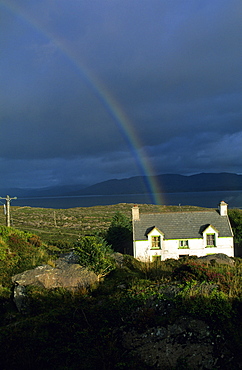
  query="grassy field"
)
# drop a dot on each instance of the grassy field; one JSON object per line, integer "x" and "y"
{"x": 69, "y": 224}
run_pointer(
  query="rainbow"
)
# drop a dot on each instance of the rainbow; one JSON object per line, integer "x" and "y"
{"x": 106, "y": 99}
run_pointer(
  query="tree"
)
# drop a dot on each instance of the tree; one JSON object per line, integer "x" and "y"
{"x": 95, "y": 254}
{"x": 235, "y": 216}
{"x": 119, "y": 233}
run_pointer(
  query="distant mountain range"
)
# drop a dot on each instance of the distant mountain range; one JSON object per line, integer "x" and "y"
{"x": 52, "y": 191}
{"x": 168, "y": 183}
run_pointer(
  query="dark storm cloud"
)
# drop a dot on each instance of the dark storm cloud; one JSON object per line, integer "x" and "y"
{"x": 174, "y": 67}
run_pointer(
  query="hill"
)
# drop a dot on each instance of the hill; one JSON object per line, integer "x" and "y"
{"x": 167, "y": 183}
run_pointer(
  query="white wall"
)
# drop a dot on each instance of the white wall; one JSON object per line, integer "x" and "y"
{"x": 170, "y": 248}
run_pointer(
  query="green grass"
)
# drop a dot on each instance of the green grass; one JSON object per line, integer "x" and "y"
{"x": 70, "y": 224}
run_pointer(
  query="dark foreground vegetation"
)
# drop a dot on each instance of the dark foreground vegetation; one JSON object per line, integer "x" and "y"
{"x": 91, "y": 328}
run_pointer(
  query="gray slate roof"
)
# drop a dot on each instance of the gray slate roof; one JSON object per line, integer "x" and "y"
{"x": 181, "y": 225}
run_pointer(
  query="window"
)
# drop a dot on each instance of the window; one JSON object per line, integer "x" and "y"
{"x": 183, "y": 244}
{"x": 155, "y": 242}
{"x": 211, "y": 240}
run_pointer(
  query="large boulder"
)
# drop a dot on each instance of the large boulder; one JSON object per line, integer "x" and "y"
{"x": 66, "y": 274}
{"x": 219, "y": 258}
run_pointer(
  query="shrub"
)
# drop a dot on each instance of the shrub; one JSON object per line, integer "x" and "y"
{"x": 95, "y": 254}
{"x": 6, "y": 232}
{"x": 62, "y": 244}
{"x": 216, "y": 305}
{"x": 3, "y": 249}
{"x": 19, "y": 251}
{"x": 235, "y": 216}
{"x": 35, "y": 241}
{"x": 119, "y": 233}
{"x": 190, "y": 271}
{"x": 23, "y": 252}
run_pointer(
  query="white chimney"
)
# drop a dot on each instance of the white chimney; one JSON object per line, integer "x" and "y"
{"x": 223, "y": 208}
{"x": 135, "y": 213}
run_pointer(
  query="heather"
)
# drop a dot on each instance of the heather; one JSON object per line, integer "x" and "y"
{"x": 87, "y": 328}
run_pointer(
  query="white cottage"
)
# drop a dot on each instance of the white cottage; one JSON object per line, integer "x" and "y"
{"x": 178, "y": 234}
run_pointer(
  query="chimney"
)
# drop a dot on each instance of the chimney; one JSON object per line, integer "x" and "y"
{"x": 135, "y": 213}
{"x": 223, "y": 208}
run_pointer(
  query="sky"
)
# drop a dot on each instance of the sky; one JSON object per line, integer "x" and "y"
{"x": 93, "y": 90}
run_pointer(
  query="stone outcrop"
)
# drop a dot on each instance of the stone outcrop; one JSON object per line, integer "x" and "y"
{"x": 219, "y": 258}
{"x": 186, "y": 343}
{"x": 66, "y": 274}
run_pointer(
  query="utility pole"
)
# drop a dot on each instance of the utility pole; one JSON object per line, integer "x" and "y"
{"x": 55, "y": 220}
{"x": 8, "y": 199}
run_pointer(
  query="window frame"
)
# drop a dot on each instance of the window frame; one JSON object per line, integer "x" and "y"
{"x": 185, "y": 246}
{"x": 210, "y": 237}
{"x": 155, "y": 242}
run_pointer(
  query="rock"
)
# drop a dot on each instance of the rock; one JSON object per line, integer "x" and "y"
{"x": 119, "y": 258}
{"x": 186, "y": 343}
{"x": 67, "y": 258}
{"x": 68, "y": 276}
{"x": 19, "y": 298}
{"x": 219, "y": 258}
{"x": 65, "y": 275}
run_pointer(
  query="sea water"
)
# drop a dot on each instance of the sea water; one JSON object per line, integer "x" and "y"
{"x": 209, "y": 199}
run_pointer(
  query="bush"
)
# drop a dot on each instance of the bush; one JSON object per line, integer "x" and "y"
{"x": 64, "y": 245}
{"x": 190, "y": 271}
{"x": 19, "y": 251}
{"x": 35, "y": 241}
{"x": 6, "y": 232}
{"x": 95, "y": 254}
{"x": 119, "y": 234}
{"x": 235, "y": 216}
{"x": 216, "y": 305}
